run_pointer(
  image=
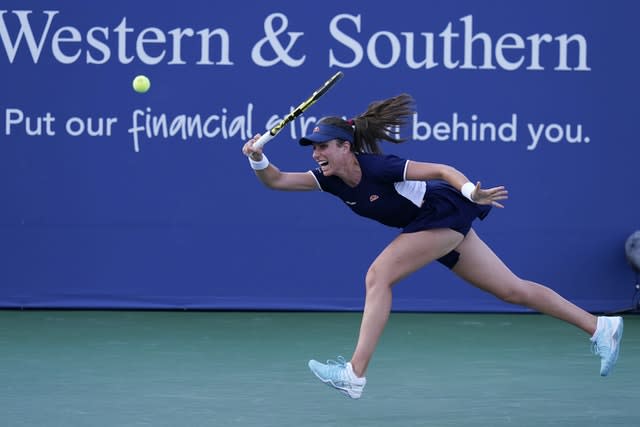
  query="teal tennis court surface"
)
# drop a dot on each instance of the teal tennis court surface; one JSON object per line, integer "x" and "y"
{"x": 154, "y": 368}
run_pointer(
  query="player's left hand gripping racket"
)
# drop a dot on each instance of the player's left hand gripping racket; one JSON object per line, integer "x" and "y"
{"x": 299, "y": 110}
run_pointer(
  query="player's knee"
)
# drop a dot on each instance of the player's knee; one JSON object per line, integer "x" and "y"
{"x": 516, "y": 293}
{"x": 375, "y": 279}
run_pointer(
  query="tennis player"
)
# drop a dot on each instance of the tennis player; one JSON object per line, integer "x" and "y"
{"x": 434, "y": 206}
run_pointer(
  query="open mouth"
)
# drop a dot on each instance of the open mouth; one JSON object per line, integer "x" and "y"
{"x": 323, "y": 163}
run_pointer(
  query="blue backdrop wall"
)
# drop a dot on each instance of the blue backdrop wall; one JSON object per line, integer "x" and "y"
{"x": 104, "y": 207}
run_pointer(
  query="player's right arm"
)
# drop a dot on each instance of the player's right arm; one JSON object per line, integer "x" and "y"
{"x": 274, "y": 178}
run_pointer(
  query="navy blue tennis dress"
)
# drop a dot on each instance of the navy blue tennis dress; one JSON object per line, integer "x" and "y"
{"x": 385, "y": 196}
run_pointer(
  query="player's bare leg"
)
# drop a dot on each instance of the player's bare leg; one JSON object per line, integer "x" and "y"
{"x": 480, "y": 266}
{"x": 404, "y": 255}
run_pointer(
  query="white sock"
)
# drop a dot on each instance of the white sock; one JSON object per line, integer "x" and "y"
{"x": 352, "y": 374}
{"x": 595, "y": 334}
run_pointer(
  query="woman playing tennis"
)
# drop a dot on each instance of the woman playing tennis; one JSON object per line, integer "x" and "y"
{"x": 434, "y": 205}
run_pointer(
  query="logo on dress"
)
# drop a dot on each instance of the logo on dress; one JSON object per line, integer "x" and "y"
{"x": 350, "y": 203}
{"x": 316, "y": 129}
{"x": 373, "y": 197}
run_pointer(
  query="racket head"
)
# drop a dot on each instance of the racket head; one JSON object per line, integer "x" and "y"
{"x": 327, "y": 85}
{"x": 299, "y": 109}
{"x": 315, "y": 96}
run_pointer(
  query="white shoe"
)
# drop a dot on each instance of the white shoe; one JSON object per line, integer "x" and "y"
{"x": 606, "y": 342}
{"x": 339, "y": 375}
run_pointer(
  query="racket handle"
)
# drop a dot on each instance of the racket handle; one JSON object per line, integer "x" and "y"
{"x": 263, "y": 140}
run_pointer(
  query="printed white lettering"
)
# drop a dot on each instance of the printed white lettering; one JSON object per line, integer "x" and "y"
{"x": 468, "y": 49}
{"x": 68, "y": 44}
{"x": 196, "y": 127}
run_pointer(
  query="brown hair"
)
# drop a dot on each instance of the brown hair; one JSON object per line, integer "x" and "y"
{"x": 379, "y": 123}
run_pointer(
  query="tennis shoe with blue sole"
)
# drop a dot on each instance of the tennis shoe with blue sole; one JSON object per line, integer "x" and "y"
{"x": 606, "y": 342}
{"x": 339, "y": 375}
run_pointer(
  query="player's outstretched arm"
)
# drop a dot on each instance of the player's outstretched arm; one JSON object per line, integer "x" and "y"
{"x": 421, "y": 171}
{"x": 271, "y": 176}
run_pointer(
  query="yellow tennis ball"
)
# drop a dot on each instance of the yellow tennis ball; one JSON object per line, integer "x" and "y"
{"x": 141, "y": 84}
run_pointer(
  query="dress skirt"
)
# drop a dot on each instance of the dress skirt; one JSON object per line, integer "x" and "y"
{"x": 445, "y": 207}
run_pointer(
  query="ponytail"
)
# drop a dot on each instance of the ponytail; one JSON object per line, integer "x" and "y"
{"x": 380, "y": 122}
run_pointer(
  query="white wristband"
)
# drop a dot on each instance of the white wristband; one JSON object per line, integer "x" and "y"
{"x": 467, "y": 189}
{"x": 260, "y": 164}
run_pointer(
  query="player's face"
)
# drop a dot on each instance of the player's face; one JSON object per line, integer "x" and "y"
{"x": 331, "y": 156}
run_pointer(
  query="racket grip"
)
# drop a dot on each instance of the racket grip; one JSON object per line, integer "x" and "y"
{"x": 263, "y": 140}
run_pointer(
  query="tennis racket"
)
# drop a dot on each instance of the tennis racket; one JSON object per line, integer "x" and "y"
{"x": 299, "y": 110}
